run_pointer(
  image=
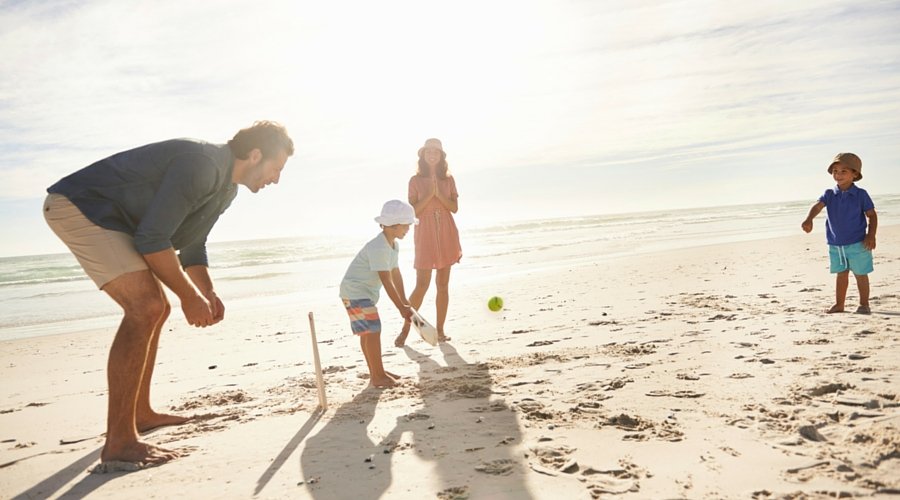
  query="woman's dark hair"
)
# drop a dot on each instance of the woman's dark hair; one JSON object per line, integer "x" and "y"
{"x": 442, "y": 169}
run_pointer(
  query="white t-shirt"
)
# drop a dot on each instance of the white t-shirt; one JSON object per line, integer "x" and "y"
{"x": 361, "y": 280}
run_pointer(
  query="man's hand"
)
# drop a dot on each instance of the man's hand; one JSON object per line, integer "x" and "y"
{"x": 218, "y": 309}
{"x": 197, "y": 311}
{"x": 807, "y": 225}
{"x": 406, "y": 311}
{"x": 200, "y": 277}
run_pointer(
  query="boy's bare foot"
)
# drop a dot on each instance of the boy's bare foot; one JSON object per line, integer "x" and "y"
{"x": 155, "y": 420}
{"x": 392, "y": 375}
{"x": 383, "y": 383}
{"x": 400, "y": 341}
{"x": 137, "y": 452}
{"x": 835, "y": 309}
{"x": 442, "y": 337}
{"x": 863, "y": 310}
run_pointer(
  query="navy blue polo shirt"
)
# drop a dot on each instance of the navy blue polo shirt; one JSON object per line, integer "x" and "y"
{"x": 846, "y": 222}
{"x": 167, "y": 195}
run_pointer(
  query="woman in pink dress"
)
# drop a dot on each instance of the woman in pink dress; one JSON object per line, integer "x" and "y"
{"x": 432, "y": 192}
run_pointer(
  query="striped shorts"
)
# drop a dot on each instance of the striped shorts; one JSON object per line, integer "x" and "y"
{"x": 364, "y": 317}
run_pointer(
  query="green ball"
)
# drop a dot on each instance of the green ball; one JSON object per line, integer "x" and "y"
{"x": 495, "y": 303}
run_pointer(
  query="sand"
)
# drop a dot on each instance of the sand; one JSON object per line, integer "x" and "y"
{"x": 708, "y": 372}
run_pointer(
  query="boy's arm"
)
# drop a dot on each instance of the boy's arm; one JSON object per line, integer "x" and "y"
{"x": 395, "y": 292}
{"x": 869, "y": 241}
{"x": 398, "y": 284}
{"x": 813, "y": 212}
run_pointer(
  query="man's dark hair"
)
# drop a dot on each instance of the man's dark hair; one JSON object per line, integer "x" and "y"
{"x": 267, "y": 136}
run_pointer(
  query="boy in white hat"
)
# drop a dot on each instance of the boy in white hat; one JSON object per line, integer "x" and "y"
{"x": 374, "y": 267}
{"x": 850, "y": 245}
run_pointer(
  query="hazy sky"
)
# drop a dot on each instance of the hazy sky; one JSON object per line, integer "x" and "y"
{"x": 546, "y": 108}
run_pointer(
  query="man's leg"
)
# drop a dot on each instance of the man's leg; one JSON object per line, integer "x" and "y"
{"x": 138, "y": 294}
{"x": 147, "y": 419}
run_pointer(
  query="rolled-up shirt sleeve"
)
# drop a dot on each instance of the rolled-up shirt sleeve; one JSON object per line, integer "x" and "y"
{"x": 194, "y": 255}
{"x": 189, "y": 179}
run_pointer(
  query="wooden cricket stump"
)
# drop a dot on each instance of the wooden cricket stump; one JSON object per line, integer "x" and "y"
{"x": 320, "y": 381}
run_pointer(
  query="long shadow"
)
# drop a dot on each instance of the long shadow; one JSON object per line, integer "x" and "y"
{"x": 342, "y": 453}
{"x": 54, "y": 483}
{"x": 483, "y": 433}
{"x": 288, "y": 450}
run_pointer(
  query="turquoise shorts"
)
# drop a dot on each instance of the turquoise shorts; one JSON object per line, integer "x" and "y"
{"x": 853, "y": 257}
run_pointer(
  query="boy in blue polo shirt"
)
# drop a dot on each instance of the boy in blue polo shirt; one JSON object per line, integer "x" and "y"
{"x": 849, "y": 244}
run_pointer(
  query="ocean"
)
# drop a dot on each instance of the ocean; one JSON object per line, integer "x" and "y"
{"x": 49, "y": 294}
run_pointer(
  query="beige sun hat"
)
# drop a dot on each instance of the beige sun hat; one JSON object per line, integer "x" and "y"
{"x": 848, "y": 160}
{"x": 397, "y": 212}
{"x": 432, "y": 143}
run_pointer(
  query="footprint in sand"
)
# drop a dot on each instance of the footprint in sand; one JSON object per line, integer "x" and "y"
{"x": 454, "y": 493}
{"x": 556, "y": 458}
{"x": 494, "y": 406}
{"x": 614, "y": 482}
{"x": 627, "y": 422}
{"x": 612, "y": 486}
{"x": 676, "y": 394}
{"x": 828, "y": 389}
{"x": 501, "y": 467}
{"x": 535, "y": 410}
{"x": 612, "y": 385}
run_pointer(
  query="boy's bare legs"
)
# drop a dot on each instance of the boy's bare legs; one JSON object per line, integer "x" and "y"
{"x": 862, "y": 283}
{"x": 371, "y": 347}
{"x": 364, "y": 348}
{"x": 423, "y": 281}
{"x": 139, "y": 296}
{"x": 841, "y": 283}
{"x": 442, "y": 301}
{"x": 146, "y": 418}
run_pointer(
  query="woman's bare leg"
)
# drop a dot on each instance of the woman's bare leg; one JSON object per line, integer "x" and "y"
{"x": 442, "y": 281}
{"x": 423, "y": 281}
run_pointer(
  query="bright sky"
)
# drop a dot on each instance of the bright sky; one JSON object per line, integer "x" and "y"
{"x": 546, "y": 108}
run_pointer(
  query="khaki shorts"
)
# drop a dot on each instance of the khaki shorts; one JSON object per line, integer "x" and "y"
{"x": 104, "y": 254}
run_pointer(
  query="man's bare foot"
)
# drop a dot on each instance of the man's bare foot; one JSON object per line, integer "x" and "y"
{"x": 137, "y": 452}
{"x": 155, "y": 420}
{"x": 400, "y": 341}
{"x": 835, "y": 309}
{"x": 392, "y": 375}
{"x": 863, "y": 310}
{"x": 382, "y": 383}
{"x": 442, "y": 337}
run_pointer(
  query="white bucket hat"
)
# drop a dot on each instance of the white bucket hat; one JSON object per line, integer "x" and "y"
{"x": 397, "y": 212}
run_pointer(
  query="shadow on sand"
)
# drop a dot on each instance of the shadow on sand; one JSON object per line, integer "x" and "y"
{"x": 462, "y": 432}
{"x": 88, "y": 484}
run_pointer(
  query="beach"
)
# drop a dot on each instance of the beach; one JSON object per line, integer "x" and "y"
{"x": 700, "y": 370}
